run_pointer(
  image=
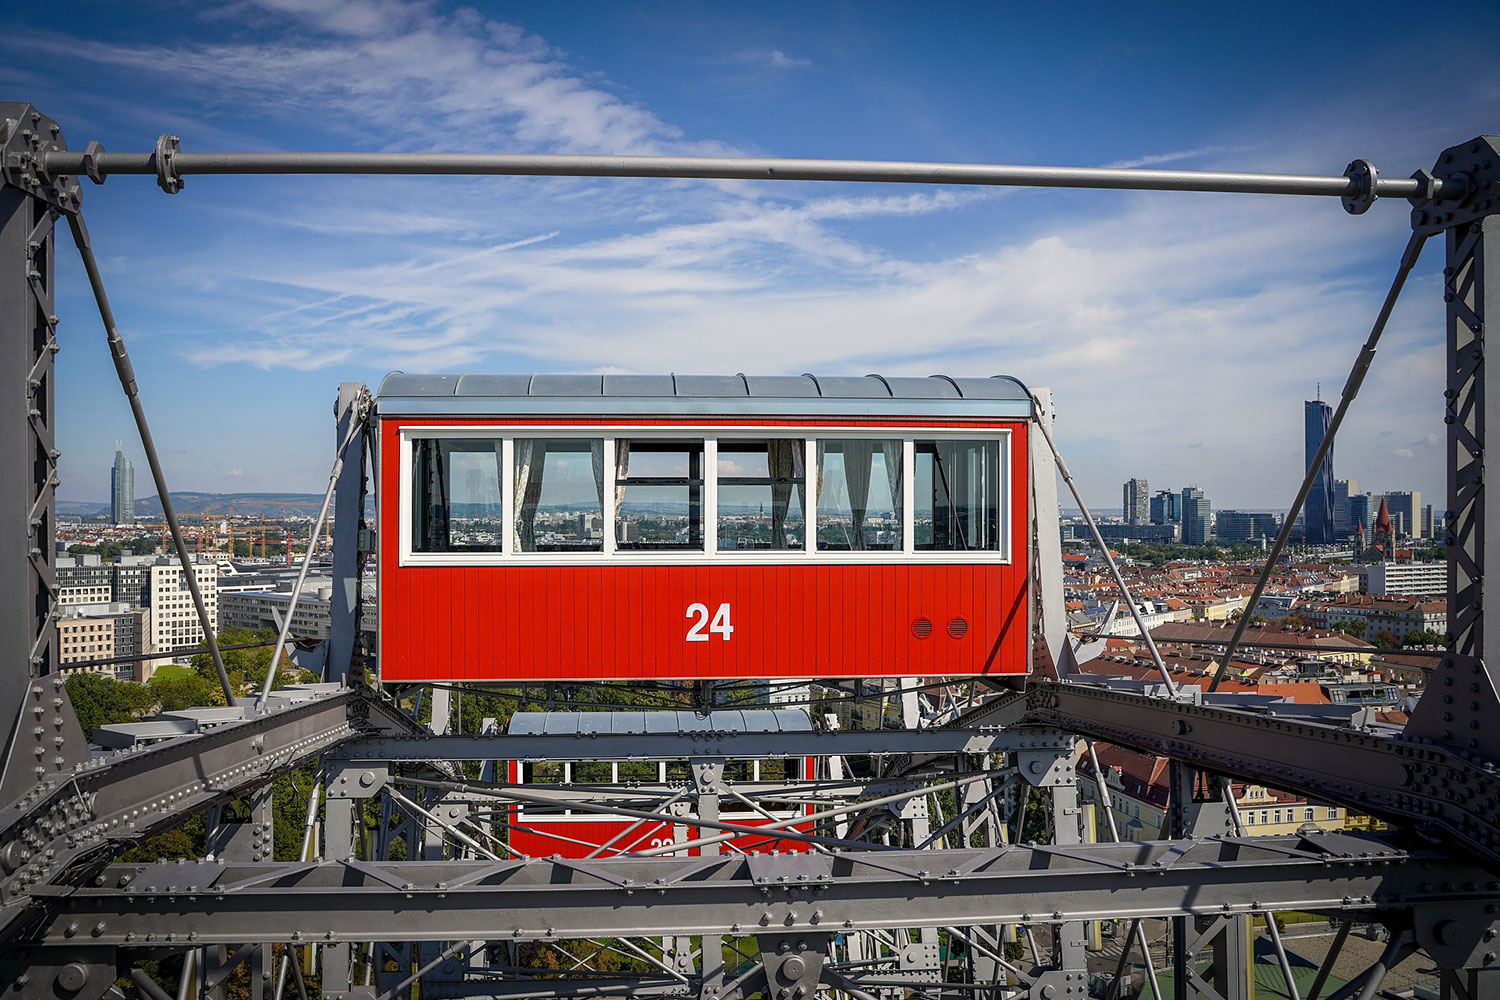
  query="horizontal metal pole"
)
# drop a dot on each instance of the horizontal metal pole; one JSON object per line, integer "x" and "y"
{"x": 677, "y": 746}
{"x": 726, "y": 168}
{"x": 179, "y": 651}
{"x": 205, "y": 903}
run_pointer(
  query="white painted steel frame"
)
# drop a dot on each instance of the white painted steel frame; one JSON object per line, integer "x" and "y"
{"x": 711, "y": 435}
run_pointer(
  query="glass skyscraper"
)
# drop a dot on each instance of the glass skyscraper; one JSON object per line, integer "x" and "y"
{"x": 122, "y": 489}
{"x": 1197, "y": 516}
{"x": 1319, "y": 519}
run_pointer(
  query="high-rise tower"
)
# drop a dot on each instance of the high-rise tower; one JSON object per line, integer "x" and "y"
{"x": 1136, "y": 501}
{"x": 122, "y": 489}
{"x": 1197, "y": 516}
{"x": 1320, "y": 528}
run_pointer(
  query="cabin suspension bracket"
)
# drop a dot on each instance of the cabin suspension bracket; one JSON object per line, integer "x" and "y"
{"x": 26, "y": 137}
{"x": 1468, "y": 179}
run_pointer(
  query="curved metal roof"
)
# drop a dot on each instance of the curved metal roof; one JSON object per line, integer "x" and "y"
{"x": 401, "y": 393}
{"x": 780, "y": 720}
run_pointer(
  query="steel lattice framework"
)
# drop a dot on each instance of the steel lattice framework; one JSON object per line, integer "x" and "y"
{"x": 913, "y": 877}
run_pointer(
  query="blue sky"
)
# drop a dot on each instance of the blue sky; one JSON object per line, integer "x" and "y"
{"x": 1180, "y": 333}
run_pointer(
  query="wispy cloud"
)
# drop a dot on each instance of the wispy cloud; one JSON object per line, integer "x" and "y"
{"x": 1176, "y": 156}
{"x": 396, "y": 73}
{"x": 769, "y": 59}
{"x": 1173, "y": 332}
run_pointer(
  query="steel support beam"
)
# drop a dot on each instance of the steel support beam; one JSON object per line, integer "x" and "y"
{"x": 40, "y": 740}
{"x": 124, "y": 797}
{"x": 1472, "y": 295}
{"x": 1404, "y": 781}
{"x": 673, "y": 746}
{"x": 348, "y": 527}
{"x": 177, "y": 904}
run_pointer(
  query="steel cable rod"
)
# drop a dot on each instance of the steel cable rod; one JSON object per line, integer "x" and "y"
{"x": 1226, "y": 788}
{"x": 733, "y": 830}
{"x": 170, "y": 166}
{"x": 178, "y": 651}
{"x": 1135, "y": 612}
{"x": 1137, "y": 929}
{"x": 126, "y": 373}
{"x": 1356, "y": 378}
{"x": 356, "y": 423}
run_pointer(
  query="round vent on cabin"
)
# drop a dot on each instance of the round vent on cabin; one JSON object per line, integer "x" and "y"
{"x": 958, "y": 628}
{"x": 921, "y": 628}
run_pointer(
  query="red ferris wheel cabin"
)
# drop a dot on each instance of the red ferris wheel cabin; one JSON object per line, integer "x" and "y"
{"x": 587, "y": 527}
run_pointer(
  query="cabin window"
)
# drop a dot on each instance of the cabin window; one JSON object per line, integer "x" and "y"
{"x": 761, "y": 487}
{"x": 955, "y": 502}
{"x": 859, "y": 494}
{"x": 594, "y": 772}
{"x": 457, "y": 506}
{"x": 559, "y": 495}
{"x": 545, "y": 772}
{"x": 640, "y": 770}
{"x": 658, "y": 494}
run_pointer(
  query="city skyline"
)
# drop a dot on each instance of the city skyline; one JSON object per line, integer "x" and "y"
{"x": 270, "y": 292}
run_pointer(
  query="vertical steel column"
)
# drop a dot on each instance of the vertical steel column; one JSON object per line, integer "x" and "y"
{"x": 1470, "y": 295}
{"x": 29, "y": 676}
{"x": 338, "y": 845}
{"x": 348, "y": 522}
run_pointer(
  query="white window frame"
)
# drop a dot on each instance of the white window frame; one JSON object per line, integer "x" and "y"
{"x": 710, "y": 435}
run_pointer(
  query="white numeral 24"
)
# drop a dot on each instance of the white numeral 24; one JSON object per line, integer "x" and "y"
{"x": 720, "y": 623}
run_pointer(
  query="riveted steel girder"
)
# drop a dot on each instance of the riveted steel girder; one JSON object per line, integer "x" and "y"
{"x": 180, "y": 904}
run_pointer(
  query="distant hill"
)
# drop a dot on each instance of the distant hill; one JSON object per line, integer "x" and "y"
{"x": 245, "y": 504}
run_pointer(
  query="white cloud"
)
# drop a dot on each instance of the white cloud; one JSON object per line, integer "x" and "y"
{"x": 1178, "y": 331}
{"x": 775, "y": 59}
{"x": 398, "y": 75}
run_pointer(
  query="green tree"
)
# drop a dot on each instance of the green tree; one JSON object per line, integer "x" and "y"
{"x": 1424, "y": 637}
{"x": 100, "y": 700}
{"x": 247, "y": 667}
{"x": 173, "y": 694}
{"x": 1386, "y": 639}
{"x": 1355, "y": 629}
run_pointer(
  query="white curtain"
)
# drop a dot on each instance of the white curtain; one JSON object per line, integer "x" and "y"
{"x": 784, "y": 460}
{"x": 499, "y": 478}
{"x": 622, "y": 469}
{"x": 859, "y": 456}
{"x": 892, "y": 452}
{"x": 529, "y": 452}
{"x": 596, "y": 459}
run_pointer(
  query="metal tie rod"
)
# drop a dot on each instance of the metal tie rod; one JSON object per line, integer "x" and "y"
{"x": 1359, "y": 185}
{"x": 1361, "y": 368}
{"x": 126, "y": 373}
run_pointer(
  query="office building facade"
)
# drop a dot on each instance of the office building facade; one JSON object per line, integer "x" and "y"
{"x": 1343, "y": 489}
{"x": 1319, "y": 506}
{"x": 174, "y": 620}
{"x": 1244, "y": 526}
{"x": 1136, "y": 502}
{"x": 1197, "y": 517}
{"x": 1417, "y": 579}
{"x": 1166, "y": 507}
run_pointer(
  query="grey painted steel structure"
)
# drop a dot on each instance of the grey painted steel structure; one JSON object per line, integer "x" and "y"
{"x": 226, "y": 903}
{"x": 1358, "y": 187}
{"x": 62, "y": 811}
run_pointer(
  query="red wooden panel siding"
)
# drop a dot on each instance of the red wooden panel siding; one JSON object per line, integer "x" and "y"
{"x": 621, "y": 621}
